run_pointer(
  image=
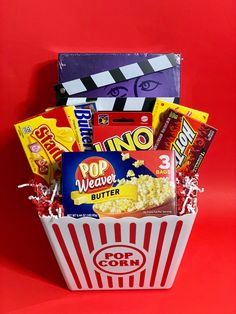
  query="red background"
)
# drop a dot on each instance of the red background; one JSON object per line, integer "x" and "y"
{"x": 32, "y": 33}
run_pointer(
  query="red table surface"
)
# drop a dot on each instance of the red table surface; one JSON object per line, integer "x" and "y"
{"x": 204, "y": 32}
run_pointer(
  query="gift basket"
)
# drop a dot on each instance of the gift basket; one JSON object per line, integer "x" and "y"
{"x": 116, "y": 172}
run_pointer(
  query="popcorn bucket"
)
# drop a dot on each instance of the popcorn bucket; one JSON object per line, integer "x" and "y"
{"x": 126, "y": 253}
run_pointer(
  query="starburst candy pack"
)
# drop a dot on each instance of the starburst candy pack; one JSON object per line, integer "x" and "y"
{"x": 119, "y": 184}
{"x": 189, "y": 138}
{"x": 44, "y": 137}
{"x": 117, "y": 131}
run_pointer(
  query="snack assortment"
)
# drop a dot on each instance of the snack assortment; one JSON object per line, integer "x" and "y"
{"x": 113, "y": 158}
{"x": 115, "y": 178}
{"x": 100, "y": 184}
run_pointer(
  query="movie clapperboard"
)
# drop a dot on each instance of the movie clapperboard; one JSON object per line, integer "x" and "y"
{"x": 118, "y": 82}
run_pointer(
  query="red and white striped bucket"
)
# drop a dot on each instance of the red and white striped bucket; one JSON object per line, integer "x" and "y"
{"x": 127, "y": 253}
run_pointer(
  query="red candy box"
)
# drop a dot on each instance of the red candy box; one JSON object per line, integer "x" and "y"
{"x": 189, "y": 138}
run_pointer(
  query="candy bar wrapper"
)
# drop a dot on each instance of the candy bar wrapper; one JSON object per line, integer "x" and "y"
{"x": 82, "y": 119}
{"x": 116, "y": 131}
{"x": 115, "y": 184}
{"x": 44, "y": 137}
{"x": 189, "y": 138}
{"x": 161, "y": 109}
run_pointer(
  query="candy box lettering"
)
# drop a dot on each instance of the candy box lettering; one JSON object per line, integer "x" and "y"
{"x": 114, "y": 131}
{"x": 44, "y": 137}
{"x": 83, "y": 113}
{"x": 161, "y": 109}
{"x": 189, "y": 138}
{"x": 116, "y": 184}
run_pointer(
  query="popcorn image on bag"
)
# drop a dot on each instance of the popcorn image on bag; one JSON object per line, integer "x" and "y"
{"x": 130, "y": 173}
{"x": 125, "y": 156}
{"x": 138, "y": 163}
{"x": 151, "y": 192}
{"x": 99, "y": 184}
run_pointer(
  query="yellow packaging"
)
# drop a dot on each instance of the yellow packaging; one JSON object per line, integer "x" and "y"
{"x": 161, "y": 107}
{"x": 44, "y": 137}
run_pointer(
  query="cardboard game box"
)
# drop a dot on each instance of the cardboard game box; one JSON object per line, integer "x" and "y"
{"x": 84, "y": 76}
{"x": 114, "y": 131}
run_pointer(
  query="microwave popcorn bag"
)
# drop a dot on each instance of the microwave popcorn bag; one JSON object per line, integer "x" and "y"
{"x": 47, "y": 199}
{"x": 118, "y": 184}
{"x": 118, "y": 131}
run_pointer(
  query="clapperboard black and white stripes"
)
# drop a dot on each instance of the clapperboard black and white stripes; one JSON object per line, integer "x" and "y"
{"x": 117, "y": 104}
{"x": 116, "y": 75}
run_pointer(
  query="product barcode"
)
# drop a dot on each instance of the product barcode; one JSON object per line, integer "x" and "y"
{"x": 27, "y": 129}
